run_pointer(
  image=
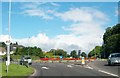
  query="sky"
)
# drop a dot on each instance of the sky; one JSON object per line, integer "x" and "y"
{"x": 59, "y": 25}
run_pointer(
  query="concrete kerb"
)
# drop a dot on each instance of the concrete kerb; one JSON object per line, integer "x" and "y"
{"x": 33, "y": 74}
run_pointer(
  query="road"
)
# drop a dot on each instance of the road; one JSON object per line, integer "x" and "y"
{"x": 103, "y": 65}
{"x": 64, "y": 70}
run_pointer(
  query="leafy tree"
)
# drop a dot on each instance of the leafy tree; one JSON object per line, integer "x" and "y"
{"x": 58, "y": 52}
{"x": 111, "y": 39}
{"x": 96, "y": 52}
{"x": 48, "y": 54}
{"x": 73, "y": 54}
{"x": 34, "y": 51}
{"x": 83, "y": 54}
{"x": 2, "y": 44}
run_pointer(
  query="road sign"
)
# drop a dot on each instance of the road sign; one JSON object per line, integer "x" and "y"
{"x": 61, "y": 57}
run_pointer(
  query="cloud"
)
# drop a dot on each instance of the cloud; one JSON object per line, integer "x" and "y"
{"x": 83, "y": 14}
{"x": 66, "y": 42}
{"x": 85, "y": 30}
{"x": 4, "y": 38}
{"x": 33, "y": 9}
{"x": 36, "y": 12}
{"x": 54, "y": 4}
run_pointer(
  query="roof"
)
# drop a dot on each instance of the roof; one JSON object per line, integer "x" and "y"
{"x": 17, "y": 46}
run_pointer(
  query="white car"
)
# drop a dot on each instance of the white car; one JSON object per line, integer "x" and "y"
{"x": 26, "y": 59}
{"x": 114, "y": 58}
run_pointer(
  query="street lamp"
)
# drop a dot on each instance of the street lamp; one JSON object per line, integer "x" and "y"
{"x": 28, "y": 47}
{"x": 8, "y": 42}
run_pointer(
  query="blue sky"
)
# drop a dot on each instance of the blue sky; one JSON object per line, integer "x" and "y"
{"x": 65, "y": 25}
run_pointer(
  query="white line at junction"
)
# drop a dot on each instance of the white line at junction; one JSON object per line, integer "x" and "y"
{"x": 108, "y": 73}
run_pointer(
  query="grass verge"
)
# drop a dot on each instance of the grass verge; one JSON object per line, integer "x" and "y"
{"x": 17, "y": 70}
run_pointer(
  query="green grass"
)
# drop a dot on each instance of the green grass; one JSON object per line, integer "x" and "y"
{"x": 16, "y": 70}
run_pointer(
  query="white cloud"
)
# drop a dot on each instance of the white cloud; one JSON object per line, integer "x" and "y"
{"x": 66, "y": 42}
{"x": 4, "y": 38}
{"x": 83, "y": 14}
{"x": 85, "y": 30}
{"x": 37, "y": 12}
{"x": 34, "y": 9}
{"x": 54, "y": 4}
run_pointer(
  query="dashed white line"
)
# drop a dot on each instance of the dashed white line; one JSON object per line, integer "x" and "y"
{"x": 44, "y": 68}
{"x": 108, "y": 73}
{"x": 89, "y": 67}
{"x": 69, "y": 66}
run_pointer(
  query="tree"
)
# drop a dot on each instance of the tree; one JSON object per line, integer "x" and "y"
{"x": 96, "y": 52}
{"x": 111, "y": 39}
{"x": 73, "y": 54}
{"x": 58, "y": 52}
{"x": 2, "y": 44}
{"x": 83, "y": 54}
{"x": 33, "y": 51}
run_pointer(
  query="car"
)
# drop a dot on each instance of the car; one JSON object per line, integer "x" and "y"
{"x": 26, "y": 59}
{"x": 114, "y": 58}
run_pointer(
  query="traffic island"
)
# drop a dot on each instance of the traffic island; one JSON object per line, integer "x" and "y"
{"x": 16, "y": 70}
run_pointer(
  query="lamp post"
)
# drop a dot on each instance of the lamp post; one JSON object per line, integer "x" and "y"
{"x": 28, "y": 47}
{"x": 8, "y": 55}
{"x": 8, "y": 42}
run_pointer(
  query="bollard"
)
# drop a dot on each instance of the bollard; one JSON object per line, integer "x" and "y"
{"x": 83, "y": 61}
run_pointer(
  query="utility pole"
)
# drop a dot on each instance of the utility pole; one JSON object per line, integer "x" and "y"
{"x": 8, "y": 42}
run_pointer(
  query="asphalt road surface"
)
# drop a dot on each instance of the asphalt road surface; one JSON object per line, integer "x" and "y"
{"x": 65, "y": 70}
{"x": 103, "y": 65}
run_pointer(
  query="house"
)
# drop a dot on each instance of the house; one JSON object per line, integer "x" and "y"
{"x": 14, "y": 47}
{"x": 2, "y": 50}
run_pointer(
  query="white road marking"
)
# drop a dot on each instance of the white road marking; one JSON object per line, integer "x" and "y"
{"x": 78, "y": 65}
{"x": 108, "y": 73}
{"x": 88, "y": 67}
{"x": 44, "y": 68}
{"x": 69, "y": 66}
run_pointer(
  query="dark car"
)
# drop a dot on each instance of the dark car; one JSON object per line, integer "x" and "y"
{"x": 114, "y": 58}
